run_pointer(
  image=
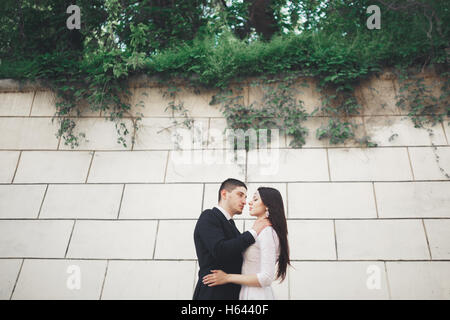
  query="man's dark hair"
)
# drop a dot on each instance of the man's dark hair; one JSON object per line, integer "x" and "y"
{"x": 230, "y": 184}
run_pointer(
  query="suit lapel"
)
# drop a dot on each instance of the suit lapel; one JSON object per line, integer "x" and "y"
{"x": 225, "y": 222}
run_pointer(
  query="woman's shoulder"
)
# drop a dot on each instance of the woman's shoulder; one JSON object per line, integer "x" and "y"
{"x": 268, "y": 232}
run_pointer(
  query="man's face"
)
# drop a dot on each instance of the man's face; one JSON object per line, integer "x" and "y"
{"x": 236, "y": 200}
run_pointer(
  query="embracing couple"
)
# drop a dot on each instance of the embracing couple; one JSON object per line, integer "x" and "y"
{"x": 241, "y": 266}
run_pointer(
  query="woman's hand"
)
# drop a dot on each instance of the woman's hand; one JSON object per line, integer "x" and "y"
{"x": 216, "y": 278}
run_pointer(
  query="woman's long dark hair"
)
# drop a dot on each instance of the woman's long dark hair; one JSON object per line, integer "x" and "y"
{"x": 274, "y": 202}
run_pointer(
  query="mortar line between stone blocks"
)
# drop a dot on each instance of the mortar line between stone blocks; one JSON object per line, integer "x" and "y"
{"x": 426, "y": 237}
{"x": 194, "y": 259}
{"x": 445, "y": 135}
{"x": 207, "y": 136}
{"x": 59, "y": 143}
{"x": 218, "y": 182}
{"x": 17, "y": 279}
{"x": 375, "y": 198}
{"x": 289, "y": 283}
{"x": 167, "y": 164}
{"x": 246, "y": 167}
{"x": 90, "y": 165}
{"x": 220, "y": 148}
{"x": 195, "y": 274}
{"x": 237, "y": 219}
{"x": 32, "y": 103}
{"x": 133, "y": 139}
{"x": 328, "y": 165}
{"x": 397, "y": 108}
{"x": 70, "y": 238}
{"x": 287, "y": 200}
{"x": 104, "y": 280}
{"x": 17, "y": 166}
{"x": 335, "y": 239}
{"x": 203, "y": 196}
{"x": 156, "y": 239}
{"x": 198, "y": 116}
{"x": 387, "y": 281}
{"x": 42, "y": 202}
{"x": 410, "y": 164}
{"x": 121, "y": 199}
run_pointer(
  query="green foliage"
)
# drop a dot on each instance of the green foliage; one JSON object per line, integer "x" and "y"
{"x": 277, "y": 109}
{"x": 418, "y": 98}
{"x": 212, "y": 43}
{"x": 336, "y": 130}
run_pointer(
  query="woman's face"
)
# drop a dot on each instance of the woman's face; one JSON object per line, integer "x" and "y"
{"x": 256, "y": 206}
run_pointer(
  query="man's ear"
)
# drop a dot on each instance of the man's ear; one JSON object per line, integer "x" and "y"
{"x": 223, "y": 193}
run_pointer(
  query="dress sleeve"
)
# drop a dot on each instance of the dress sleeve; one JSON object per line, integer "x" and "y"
{"x": 268, "y": 246}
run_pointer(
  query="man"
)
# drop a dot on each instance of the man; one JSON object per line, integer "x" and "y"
{"x": 219, "y": 244}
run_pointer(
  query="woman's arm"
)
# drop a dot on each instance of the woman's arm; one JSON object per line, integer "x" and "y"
{"x": 267, "y": 267}
{"x": 218, "y": 277}
{"x": 268, "y": 243}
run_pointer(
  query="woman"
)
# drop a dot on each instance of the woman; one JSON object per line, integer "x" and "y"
{"x": 260, "y": 259}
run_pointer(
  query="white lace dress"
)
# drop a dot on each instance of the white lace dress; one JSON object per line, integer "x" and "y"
{"x": 261, "y": 259}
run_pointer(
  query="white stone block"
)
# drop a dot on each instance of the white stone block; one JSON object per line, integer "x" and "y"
{"x": 428, "y": 280}
{"x": 44, "y": 104}
{"x": 378, "y": 96}
{"x": 82, "y": 201}
{"x": 101, "y": 134}
{"x": 9, "y": 270}
{"x": 220, "y": 136}
{"x": 34, "y": 238}
{"x": 331, "y": 200}
{"x": 400, "y": 131}
{"x": 197, "y": 103}
{"x": 413, "y": 199}
{"x": 340, "y": 280}
{"x": 28, "y": 133}
{"x": 21, "y": 201}
{"x": 150, "y": 280}
{"x": 205, "y": 166}
{"x": 113, "y": 240}
{"x": 15, "y": 103}
{"x": 52, "y": 167}
{"x": 128, "y": 167}
{"x": 392, "y": 239}
{"x": 438, "y": 233}
{"x": 286, "y": 165}
{"x": 429, "y": 163}
{"x": 8, "y": 163}
{"x": 60, "y": 280}
{"x": 313, "y": 124}
{"x": 311, "y": 240}
{"x": 150, "y": 102}
{"x": 175, "y": 240}
{"x": 211, "y": 195}
{"x": 161, "y": 201}
{"x": 446, "y": 125}
{"x": 171, "y": 133}
{"x": 370, "y": 164}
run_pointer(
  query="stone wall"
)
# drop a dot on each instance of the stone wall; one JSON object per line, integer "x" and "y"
{"x": 124, "y": 217}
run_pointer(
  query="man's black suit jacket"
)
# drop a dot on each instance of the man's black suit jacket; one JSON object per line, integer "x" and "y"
{"x": 219, "y": 246}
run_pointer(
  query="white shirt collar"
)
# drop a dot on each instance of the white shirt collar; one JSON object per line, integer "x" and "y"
{"x": 225, "y": 213}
